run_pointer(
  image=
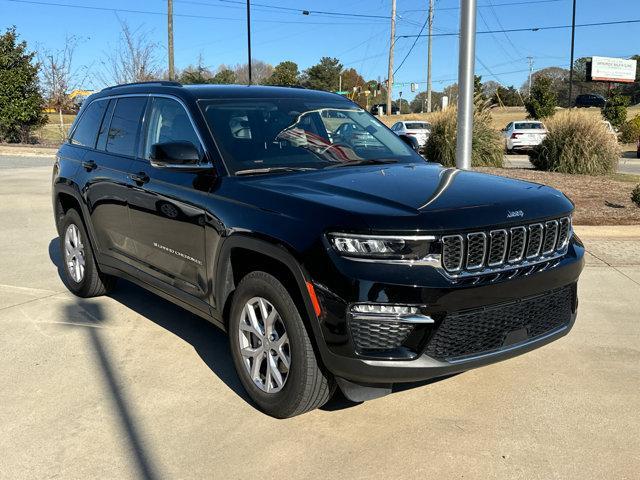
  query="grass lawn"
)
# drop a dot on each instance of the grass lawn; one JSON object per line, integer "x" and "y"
{"x": 599, "y": 200}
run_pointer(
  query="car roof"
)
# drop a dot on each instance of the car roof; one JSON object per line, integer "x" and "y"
{"x": 200, "y": 92}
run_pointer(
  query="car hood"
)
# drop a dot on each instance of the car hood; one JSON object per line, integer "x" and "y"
{"x": 403, "y": 197}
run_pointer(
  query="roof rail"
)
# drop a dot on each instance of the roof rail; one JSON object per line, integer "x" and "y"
{"x": 167, "y": 83}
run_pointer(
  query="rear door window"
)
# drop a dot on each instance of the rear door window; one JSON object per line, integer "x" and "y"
{"x": 122, "y": 138}
{"x": 87, "y": 130}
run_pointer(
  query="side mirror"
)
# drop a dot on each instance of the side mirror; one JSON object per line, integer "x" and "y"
{"x": 411, "y": 141}
{"x": 174, "y": 154}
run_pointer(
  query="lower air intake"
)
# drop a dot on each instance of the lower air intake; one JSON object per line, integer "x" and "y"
{"x": 491, "y": 329}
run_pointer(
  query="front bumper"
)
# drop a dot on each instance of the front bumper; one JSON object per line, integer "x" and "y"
{"x": 440, "y": 299}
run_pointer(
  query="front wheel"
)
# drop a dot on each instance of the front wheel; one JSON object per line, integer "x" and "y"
{"x": 82, "y": 275}
{"x": 272, "y": 351}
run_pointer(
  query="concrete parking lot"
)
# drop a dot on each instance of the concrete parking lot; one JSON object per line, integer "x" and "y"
{"x": 130, "y": 386}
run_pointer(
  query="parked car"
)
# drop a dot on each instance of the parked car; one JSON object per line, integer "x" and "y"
{"x": 609, "y": 128}
{"x": 332, "y": 261}
{"x": 587, "y": 100}
{"x": 523, "y": 135}
{"x": 419, "y": 130}
{"x": 382, "y": 107}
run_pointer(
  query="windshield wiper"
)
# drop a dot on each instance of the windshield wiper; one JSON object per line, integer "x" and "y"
{"x": 260, "y": 171}
{"x": 369, "y": 161}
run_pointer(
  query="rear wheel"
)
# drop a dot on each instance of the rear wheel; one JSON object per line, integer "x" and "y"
{"x": 272, "y": 351}
{"x": 83, "y": 278}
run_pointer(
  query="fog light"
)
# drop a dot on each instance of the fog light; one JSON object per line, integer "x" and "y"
{"x": 381, "y": 309}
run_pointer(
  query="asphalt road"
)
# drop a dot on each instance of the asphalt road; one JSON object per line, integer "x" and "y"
{"x": 625, "y": 165}
{"x": 130, "y": 386}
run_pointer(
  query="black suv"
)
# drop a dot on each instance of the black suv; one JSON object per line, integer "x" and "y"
{"x": 587, "y": 100}
{"x": 331, "y": 252}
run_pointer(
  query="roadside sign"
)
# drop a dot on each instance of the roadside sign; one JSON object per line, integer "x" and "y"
{"x": 609, "y": 69}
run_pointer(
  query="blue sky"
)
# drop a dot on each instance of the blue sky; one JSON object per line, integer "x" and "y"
{"x": 215, "y": 29}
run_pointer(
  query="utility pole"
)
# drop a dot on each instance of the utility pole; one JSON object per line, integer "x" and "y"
{"x": 249, "y": 39}
{"x": 466, "y": 65}
{"x": 429, "y": 57}
{"x": 391, "y": 45}
{"x": 530, "y": 73}
{"x": 172, "y": 73}
{"x": 573, "y": 36}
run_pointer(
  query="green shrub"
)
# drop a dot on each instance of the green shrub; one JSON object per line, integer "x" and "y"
{"x": 616, "y": 110}
{"x": 630, "y": 131}
{"x": 487, "y": 145}
{"x": 542, "y": 101}
{"x": 21, "y": 103}
{"x": 635, "y": 195}
{"x": 576, "y": 143}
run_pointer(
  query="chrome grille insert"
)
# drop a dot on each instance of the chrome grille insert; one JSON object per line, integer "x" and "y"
{"x": 536, "y": 233}
{"x": 517, "y": 248}
{"x": 476, "y": 248}
{"x": 563, "y": 231}
{"x": 452, "y": 252}
{"x": 517, "y": 244}
{"x": 498, "y": 248}
{"x": 550, "y": 237}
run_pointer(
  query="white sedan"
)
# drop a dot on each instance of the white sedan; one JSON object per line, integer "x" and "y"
{"x": 524, "y": 135}
{"x": 419, "y": 130}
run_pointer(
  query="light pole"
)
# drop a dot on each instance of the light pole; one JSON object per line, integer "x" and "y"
{"x": 429, "y": 56}
{"x": 249, "y": 39}
{"x": 466, "y": 65}
{"x": 573, "y": 36}
{"x": 392, "y": 42}
{"x": 172, "y": 74}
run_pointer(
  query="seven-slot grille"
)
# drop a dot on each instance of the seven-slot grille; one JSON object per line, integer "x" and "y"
{"x": 502, "y": 248}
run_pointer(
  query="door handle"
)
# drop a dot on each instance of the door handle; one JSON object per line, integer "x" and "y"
{"x": 89, "y": 165}
{"x": 139, "y": 178}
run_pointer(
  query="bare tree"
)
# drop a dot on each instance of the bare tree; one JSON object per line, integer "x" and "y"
{"x": 133, "y": 60}
{"x": 260, "y": 71}
{"x": 58, "y": 77}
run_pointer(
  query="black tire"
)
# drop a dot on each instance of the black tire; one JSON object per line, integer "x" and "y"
{"x": 94, "y": 283}
{"x": 307, "y": 386}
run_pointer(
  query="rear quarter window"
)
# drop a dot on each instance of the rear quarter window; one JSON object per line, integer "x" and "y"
{"x": 87, "y": 130}
{"x": 123, "y": 131}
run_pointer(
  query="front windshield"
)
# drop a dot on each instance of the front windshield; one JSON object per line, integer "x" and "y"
{"x": 294, "y": 133}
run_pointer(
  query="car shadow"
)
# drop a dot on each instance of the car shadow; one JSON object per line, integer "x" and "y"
{"x": 630, "y": 154}
{"x": 209, "y": 342}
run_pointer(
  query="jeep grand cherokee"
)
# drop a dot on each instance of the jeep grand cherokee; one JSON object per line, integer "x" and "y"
{"x": 331, "y": 252}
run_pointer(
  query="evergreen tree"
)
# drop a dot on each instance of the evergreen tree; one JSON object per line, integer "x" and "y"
{"x": 542, "y": 103}
{"x": 285, "y": 74}
{"x": 325, "y": 75}
{"x": 615, "y": 110}
{"x": 21, "y": 103}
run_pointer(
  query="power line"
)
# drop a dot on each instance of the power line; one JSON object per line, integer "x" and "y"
{"x": 184, "y": 15}
{"x": 412, "y": 46}
{"x": 529, "y": 29}
{"x": 495, "y": 15}
{"x": 509, "y": 4}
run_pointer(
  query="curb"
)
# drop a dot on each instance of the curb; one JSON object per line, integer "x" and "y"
{"x": 623, "y": 232}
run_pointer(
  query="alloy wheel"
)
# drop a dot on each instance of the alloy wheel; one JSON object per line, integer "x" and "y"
{"x": 74, "y": 253}
{"x": 264, "y": 345}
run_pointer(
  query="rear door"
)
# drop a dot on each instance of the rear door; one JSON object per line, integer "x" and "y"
{"x": 106, "y": 168}
{"x": 167, "y": 206}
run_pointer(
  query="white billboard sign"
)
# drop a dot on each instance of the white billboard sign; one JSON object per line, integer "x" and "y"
{"x": 608, "y": 69}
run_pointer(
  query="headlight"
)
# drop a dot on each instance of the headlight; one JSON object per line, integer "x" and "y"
{"x": 389, "y": 247}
